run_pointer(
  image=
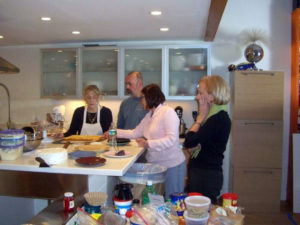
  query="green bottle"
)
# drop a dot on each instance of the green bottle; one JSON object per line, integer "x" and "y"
{"x": 148, "y": 189}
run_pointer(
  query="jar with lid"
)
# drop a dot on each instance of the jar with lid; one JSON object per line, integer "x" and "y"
{"x": 69, "y": 203}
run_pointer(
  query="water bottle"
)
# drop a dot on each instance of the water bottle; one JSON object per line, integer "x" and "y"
{"x": 149, "y": 189}
{"x": 112, "y": 136}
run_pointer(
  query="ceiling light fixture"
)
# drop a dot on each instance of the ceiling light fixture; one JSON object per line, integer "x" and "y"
{"x": 45, "y": 18}
{"x": 75, "y": 32}
{"x": 155, "y": 13}
{"x": 1, "y": 37}
{"x": 164, "y": 29}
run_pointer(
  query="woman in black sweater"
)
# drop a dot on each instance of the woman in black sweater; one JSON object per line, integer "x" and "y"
{"x": 208, "y": 137}
{"x": 91, "y": 119}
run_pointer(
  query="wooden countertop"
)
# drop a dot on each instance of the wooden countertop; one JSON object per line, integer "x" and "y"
{"x": 112, "y": 167}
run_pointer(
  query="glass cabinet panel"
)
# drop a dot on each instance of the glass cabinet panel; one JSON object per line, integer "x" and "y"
{"x": 58, "y": 72}
{"x": 186, "y": 67}
{"x": 100, "y": 67}
{"x": 146, "y": 61}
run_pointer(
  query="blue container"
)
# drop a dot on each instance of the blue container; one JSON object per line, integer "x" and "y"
{"x": 177, "y": 200}
{"x": 91, "y": 209}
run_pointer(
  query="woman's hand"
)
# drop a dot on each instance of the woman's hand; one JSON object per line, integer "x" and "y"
{"x": 106, "y": 135}
{"x": 58, "y": 135}
{"x": 203, "y": 107}
{"x": 142, "y": 142}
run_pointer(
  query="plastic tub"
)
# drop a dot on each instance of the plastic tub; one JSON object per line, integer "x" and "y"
{"x": 229, "y": 199}
{"x": 140, "y": 173}
{"x": 195, "y": 221}
{"x": 197, "y": 206}
{"x": 11, "y": 144}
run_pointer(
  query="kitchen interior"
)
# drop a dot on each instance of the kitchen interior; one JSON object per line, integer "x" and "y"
{"x": 115, "y": 38}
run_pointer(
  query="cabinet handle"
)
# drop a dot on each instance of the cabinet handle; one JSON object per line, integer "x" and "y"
{"x": 259, "y": 123}
{"x": 255, "y": 72}
{"x": 258, "y": 171}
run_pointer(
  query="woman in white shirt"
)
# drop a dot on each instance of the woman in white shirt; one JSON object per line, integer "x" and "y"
{"x": 158, "y": 132}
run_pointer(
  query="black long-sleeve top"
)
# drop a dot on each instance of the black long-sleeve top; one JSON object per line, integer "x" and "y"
{"x": 77, "y": 120}
{"x": 212, "y": 136}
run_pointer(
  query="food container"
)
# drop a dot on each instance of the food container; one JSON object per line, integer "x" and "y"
{"x": 197, "y": 206}
{"x": 177, "y": 200}
{"x": 196, "y": 221}
{"x": 122, "y": 206}
{"x": 230, "y": 199}
{"x": 11, "y": 144}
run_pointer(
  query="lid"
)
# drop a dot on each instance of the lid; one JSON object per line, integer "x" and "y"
{"x": 12, "y": 132}
{"x": 232, "y": 196}
{"x": 68, "y": 194}
{"x": 149, "y": 182}
{"x": 195, "y": 194}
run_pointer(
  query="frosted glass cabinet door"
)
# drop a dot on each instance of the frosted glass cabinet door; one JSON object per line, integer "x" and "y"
{"x": 58, "y": 72}
{"x": 146, "y": 61}
{"x": 100, "y": 67}
{"x": 186, "y": 67}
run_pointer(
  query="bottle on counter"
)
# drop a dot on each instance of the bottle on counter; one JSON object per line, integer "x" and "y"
{"x": 69, "y": 203}
{"x": 148, "y": 189}
{"x": 112, "y": 132}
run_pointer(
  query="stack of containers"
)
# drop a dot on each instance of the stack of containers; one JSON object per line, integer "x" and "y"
{"x": 197, "y": 208}
{"x": 11, "y": 144}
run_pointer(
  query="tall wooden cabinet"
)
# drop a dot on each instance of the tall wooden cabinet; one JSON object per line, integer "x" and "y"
{"x": 257, "y": 138}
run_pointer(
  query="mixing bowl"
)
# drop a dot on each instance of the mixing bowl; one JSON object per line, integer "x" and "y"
{"x": 32, "y": 141}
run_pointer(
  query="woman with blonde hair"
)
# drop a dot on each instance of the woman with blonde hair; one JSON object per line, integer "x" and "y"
{"x": 92, "y": 119}
{"x": 208, "y": 137}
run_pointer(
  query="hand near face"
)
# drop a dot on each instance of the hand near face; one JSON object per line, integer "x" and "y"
{"x": 203, "y": 105}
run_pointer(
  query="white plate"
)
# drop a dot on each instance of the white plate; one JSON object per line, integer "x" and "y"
{"x": 111, "y": 154}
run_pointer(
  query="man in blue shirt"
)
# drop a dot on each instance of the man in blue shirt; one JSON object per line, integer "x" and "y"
{"x": 131, "y": 110}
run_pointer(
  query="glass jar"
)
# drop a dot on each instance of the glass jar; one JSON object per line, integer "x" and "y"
{"x": 69, "y": 203}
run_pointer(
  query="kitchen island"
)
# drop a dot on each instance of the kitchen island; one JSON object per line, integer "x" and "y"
{"x": 24, "y": 178}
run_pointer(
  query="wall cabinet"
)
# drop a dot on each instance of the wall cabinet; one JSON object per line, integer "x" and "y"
{"x": 176, "y": 69}
{"x": 257, "y": 139}
{"x": 59, "y": 72}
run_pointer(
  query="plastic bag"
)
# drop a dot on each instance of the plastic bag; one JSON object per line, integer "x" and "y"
{"x": 224, "y": 216}
{"x": 85, "y": 219}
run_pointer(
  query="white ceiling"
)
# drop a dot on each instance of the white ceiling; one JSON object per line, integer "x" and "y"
{"x": 100, "y": 20}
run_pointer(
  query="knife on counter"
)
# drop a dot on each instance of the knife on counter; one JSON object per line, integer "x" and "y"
{"x": 42, "y": 162}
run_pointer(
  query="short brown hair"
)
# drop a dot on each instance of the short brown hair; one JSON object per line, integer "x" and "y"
{"x": 153, "y": 95}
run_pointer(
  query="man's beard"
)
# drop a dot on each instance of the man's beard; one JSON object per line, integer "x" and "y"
{"x": 129, "y": 92}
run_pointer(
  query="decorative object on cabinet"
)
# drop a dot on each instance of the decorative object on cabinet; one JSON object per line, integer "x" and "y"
{"x": 257, "y": 133}
{"x": 253, "y": 38}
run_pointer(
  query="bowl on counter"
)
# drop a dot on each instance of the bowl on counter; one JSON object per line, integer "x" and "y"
{"x": 32, "y": 141}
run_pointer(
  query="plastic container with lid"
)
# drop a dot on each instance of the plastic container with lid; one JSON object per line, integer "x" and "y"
{"x": 230, "y": 199}
{"x": 69, "y": 203}
{"x": 195, "y": 221}
{"x": 197, "y": 206}
{"x": 11, "y": 144}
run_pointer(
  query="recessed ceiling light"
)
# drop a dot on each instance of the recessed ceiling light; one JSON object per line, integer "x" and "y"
{"x": 59, "y": 51}
{"x": 75, "y": 32}
{"x": 1, "y": 37}
{"x": 45, "y": 18}
{"x": 155, "y": 13}
{"x": 164, "y": 29}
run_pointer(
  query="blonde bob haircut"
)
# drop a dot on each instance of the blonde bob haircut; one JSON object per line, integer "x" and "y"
{"x": 218, "y": 88}
{"x": 92, "y": 88}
